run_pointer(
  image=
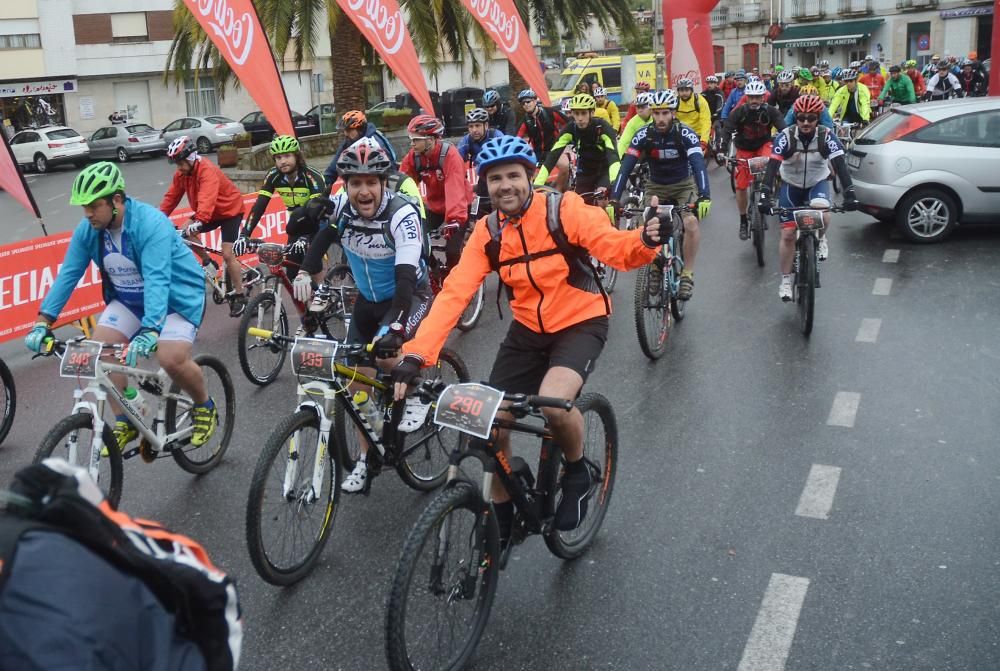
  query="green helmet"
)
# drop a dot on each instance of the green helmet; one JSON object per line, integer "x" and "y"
{"x": 284, "y": 144}
{"x": 96, "y": 181}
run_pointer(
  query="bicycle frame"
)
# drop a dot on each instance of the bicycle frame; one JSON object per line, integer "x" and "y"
{"x": 217, "y": 280}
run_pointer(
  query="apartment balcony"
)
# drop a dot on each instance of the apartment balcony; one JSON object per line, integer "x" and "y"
{"x": 720, "y": 17}
{"x": 916, "y": 4}
{"x": 750, "y": 12}
{"x": 855, "y": 7}
{"x": 806, "y": 10}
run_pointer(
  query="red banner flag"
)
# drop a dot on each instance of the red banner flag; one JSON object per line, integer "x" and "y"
{"x": 381, "y": 22}
{"x": 687, "y": 40}
{"x": 501, "y": 20}
{"x": 995, "y": 51}
{"x": 234, "y": 28}
{"x": 12, "y": 181}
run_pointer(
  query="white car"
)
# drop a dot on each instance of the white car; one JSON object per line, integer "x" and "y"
{"x": 42, "y": 148}
{"x": 208, "y": 132}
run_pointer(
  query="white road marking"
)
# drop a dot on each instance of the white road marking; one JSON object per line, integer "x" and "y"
{"x": 773, "y": 630}
{"x": 890, "y": 256}
{"x": 61, "y": 195}
{"x": 883, "y": 285}
{"x": 868, "y": 331}
{"x": 845, "y": 408}
{"x": 817, "y": 497}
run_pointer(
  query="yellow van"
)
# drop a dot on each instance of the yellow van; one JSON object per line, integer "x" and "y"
{"x": 606, "y": 71}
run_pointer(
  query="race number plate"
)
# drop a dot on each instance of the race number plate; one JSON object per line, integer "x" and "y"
{"x": 758, "y": 164}
{"x": 808, "y": 220}
{"x": 80, "y": 359}
{"x": 313, "y": 357}
{"x": 474, "y": 206}
{"x": 468, "y": 407}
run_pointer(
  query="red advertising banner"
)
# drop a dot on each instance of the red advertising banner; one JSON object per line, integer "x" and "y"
{"x": 28, "y": 269}
{"x": 12, "y": 181}
{"x": 687, "y": 40}
{"x": 234, "y": 28}
{"x": 994, "y": 88}
{"x": 501, "y": 20}
{"x": 381, "y": 23}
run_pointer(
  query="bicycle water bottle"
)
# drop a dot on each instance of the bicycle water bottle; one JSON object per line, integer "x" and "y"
{"x": 368, "y": 409}
{"x": 135, "y": 399}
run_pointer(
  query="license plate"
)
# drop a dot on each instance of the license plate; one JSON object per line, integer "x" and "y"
{"x": 80, "y": 359}
{"x": 853, "y": 161}
{"x": 468, "y": 407}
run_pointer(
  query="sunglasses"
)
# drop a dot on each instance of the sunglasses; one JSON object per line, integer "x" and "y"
{"x": 808, "y": 118}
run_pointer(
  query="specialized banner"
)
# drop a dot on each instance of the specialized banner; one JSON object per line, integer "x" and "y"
{"x": 234, "y": 28}
{"x": 28, "y": 269}
{"x": 12, "y": 181}
{"x": 381, "y": 23}
{"x": 687, "y": 40}
{"x": 502, "y": 21}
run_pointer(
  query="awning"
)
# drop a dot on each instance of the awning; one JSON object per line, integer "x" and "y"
{"x": 842, "y": 33}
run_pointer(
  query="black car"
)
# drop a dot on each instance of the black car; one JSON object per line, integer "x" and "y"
{"x": 261, "y": 131}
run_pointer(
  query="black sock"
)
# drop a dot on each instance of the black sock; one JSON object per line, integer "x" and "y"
{"x": 743, "y": 218}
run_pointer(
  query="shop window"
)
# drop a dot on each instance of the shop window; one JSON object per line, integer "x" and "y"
{"x": 24, "y": 41}
{"x": 200, "y": 96}
{"x": 719, "y": 55}
{"x": 751, "y": 56}
{"x": 129, "y": 27}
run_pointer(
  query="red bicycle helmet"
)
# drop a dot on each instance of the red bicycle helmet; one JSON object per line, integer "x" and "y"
{"x": 425, "y": 126}
{"x": 808, "y": 105}
{"x": 642, "y": 86}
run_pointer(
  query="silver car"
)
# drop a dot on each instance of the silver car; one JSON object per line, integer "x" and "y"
{"x": 930, "y": 166}
{"x": 124, "y": 142}
{"x": 208, "y": 132}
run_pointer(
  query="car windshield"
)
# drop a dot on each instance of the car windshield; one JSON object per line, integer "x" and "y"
{"x": 567, "y": 82}
{"x": 61, "y": 134}
{"x": 218, "y": 119}
{"x": 137, "y": 128}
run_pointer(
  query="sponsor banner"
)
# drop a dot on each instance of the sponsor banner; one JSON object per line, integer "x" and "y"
{"x": 687, "y": 40}
{"x": 381, "y": 23}
{"x": 502, "y": 21}
{"x": 28, "y": 269}
{"x": 12, "y": 181}
{"x": 234, "y": 28}
{"x": 965, "y": 11}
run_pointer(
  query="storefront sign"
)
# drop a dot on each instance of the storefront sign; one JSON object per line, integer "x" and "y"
{"x": 965, "y": 12}
{"x": 808, "y": 44}
{"x": 37, "y": 88}
{"x": 86, "y": 107}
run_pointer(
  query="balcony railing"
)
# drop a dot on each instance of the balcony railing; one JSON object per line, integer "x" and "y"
{"x": 750, "y": 12}
{"x": 810, "y": 9}
{"x": 915, "y": 4}
{"x": 854, "y": 7}
{"x": 720, "y": 17}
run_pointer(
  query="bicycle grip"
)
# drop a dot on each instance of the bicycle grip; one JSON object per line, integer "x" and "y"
{"x": 550, "y": 402}
{"x": 259, "y": 333}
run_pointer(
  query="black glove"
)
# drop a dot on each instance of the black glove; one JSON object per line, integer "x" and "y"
{"x": 388, "y": 345}
{"x": 764, "y": 204}
{"x": 317, "y": 208}
{"x": 665, "y": 230}
{"x": 407, "y": 370}
{"x": 850, "y": 200}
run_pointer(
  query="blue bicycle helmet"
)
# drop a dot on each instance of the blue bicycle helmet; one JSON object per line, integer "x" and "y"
{"x": 491, "y": 98}
{"x": 505, "y": 149}
{"x": 836, "y": 72}
{"x": 526, "y": 94}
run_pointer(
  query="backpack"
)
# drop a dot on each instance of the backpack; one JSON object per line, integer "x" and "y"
{"x": 60, "y": 503}
{"x": 582, "y": 273}
{"x": 821, "y": 136}
{"x": 418, "y": 166}
{"x": 384, "y": 141}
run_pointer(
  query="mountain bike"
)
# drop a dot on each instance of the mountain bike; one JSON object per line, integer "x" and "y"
{"x": 758, "y": 224}
{"x": 295, "y": 489}
{"x": 8, "y": 400}
{"x": 657, "y": 284}
{"x": 85, "y": 439}
{"x": 217, "y": 277}
{"x": 808, "y": 224}
{"x": 438, "y": 270}
{"x": 447, "y": 573}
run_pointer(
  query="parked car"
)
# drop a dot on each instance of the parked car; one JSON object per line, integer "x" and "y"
{"x": 381, "y": 107}
{"x": 124, "y": 142}
{"x": 208, "y": 132}
{"x": 261, "y": 131}
{"x": 930, "y": 166}
{"x": 42, "y": 148}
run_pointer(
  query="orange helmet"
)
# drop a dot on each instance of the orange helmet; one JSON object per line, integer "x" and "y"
{"x": 808, "y": 105}
{"x": 355, "y": 119}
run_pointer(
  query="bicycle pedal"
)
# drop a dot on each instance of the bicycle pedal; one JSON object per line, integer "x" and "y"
{"x": 146, "y": 451}
{"x": 128, "y": 454}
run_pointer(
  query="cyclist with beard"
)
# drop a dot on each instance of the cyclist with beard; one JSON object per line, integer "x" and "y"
{"x": 478, "y": 123}
{"x": 786, "y": 92}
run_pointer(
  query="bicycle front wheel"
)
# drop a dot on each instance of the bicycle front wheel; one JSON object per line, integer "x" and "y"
{"x": 757, "y": 234}
{"x": 260, "y": 359}
{"x": 219, "y": 384}
{"x": 806, "y": 282}
{"x": 72, "y": 439}
{"x": 652, "y": 314}
{"x": 8, "y": 400}
{"x": 293, "y": 500}
{"x": 444, "y": 583}
{"x": 600, "y": 450}
{"x": 677, "y": 307}
{"x": 470, "y": 317}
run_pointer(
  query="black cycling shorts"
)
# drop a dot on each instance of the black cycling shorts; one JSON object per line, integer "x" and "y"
{"x": 230, "y": 227}
{"x": 368, "y": 317}
{"x": 591, "y": 183}
{"x": 526, "y": 356}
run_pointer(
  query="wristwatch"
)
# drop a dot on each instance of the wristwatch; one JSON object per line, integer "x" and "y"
{"x": 396, "y": 326}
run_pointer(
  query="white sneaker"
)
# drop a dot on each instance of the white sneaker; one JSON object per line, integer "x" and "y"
{"x": 823, "y": 251}
{"x": 785, "y": 290}
{"x": 355, "y": 482}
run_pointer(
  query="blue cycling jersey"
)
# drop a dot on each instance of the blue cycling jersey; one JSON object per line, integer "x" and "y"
{"x": 469, "y": 149}
{"x": 673, "y": 156}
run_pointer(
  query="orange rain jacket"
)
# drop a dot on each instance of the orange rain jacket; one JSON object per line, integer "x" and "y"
{"x": 543, "y": 299}
{"x": 210, "y": 193}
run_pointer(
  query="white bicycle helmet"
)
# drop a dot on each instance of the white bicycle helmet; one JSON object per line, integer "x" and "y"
{"x": 598, "y": 91}
{"x": 643, "y": 99}
{"x": 756, "y": 88}
{"x": 663, "y": 100}
{"x": 685, "y": 83}
{"x": 848, "y": 75}
{"x": 786, "y": 77}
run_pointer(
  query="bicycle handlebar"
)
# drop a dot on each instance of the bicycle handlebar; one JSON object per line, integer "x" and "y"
{"x": 345, "y": 349}
{"x": 520, "y": 404}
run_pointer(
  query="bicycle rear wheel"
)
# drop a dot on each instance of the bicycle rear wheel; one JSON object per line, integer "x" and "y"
{"x": 652, "y": 313}
{"x": 72, "y": 439}
{"x": 806, "y": 283}
{"x": 444, "y": 583}
{"x": 293, "y": 500}
{"x": 600, "y": 450}
{"x": 8, "y": 400}
{"x": 260, "y": 359}
{"x": 470, "y": 317}
{"x": 219, "y": 385}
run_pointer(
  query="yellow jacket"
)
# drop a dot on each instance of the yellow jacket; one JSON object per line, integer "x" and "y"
{"x": 696, "y": 113}
{"x": 614, "y": 117}
{"x": 602, "y": 113}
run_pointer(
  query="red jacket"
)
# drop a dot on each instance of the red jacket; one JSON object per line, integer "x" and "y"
{"x": 874, "y": 81}
{"x": 210, "y": 193}
{"x": 448, "y": 192}
{"x": 919, "y": 85}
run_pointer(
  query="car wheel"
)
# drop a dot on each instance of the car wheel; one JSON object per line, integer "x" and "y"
{"x": 79, "y": 164}
{"x": 41, "y": 163}
{"x": 204, "y": 146}
{"x": 926, "y": 215}
{"x": 122, "y": 155}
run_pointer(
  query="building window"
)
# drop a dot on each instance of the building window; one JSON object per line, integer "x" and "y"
{"x": 856, "y": 56}
{"x": 751, "y": 56}
{"x": 200, "y": 96}
{"x": 719, "y": 55}
{"x": 25, "y": 41}
{"x": 129, "y": 27}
